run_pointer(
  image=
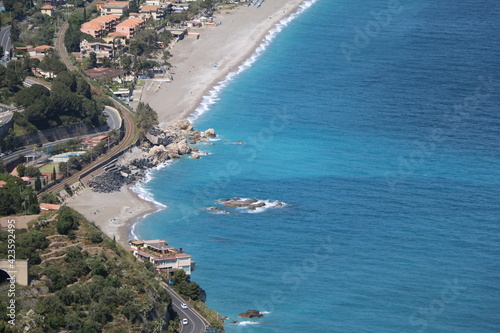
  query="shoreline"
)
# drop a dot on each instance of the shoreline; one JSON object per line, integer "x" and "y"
{"x": 243, "y": 59}
{"x": 116, "y": 213}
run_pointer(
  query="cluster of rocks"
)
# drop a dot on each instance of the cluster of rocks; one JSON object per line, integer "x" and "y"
{"x": 250, "y": 204}
{"x": 111, "y": 181}
{"x": 251, "y": 314}
{"x": 160, "y": 145}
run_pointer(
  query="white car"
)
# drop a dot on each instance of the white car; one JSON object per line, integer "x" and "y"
{"x": 184, "y": 321}
{"x": 184, "y": 306}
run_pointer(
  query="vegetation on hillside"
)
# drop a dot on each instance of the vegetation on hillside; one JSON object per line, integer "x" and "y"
{"x": 69, "y": 101}
{"x": 82, "y": 281}
{"x": 15, "y": 196}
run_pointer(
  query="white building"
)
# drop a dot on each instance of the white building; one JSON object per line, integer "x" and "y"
{"x": 162, "y": 256}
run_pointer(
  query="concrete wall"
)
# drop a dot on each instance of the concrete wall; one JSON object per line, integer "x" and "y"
{"x": 19, "y": 270}
{"x": 59, "y": 133}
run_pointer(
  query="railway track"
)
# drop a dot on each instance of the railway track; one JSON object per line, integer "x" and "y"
{"x": 128, "y": 118}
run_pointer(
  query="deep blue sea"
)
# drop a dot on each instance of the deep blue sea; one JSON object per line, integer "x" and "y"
{"x": 378, "y": 124}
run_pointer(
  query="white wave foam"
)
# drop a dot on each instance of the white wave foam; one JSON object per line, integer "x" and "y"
{"x": 213, "y": 94}
{"x": 142, "y": 192}
{"x": 264, "y": 312}
{"x": 269, "y": 205}
{"x": 244, "y": 323}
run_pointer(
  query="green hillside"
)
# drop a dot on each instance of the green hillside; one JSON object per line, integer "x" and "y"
{"x": 82, "y": 281}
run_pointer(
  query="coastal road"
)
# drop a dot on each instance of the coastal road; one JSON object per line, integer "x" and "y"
{"x": 114, "y": 119}
{"x": 5, "y": 39}
{"x": 196, "y": 323}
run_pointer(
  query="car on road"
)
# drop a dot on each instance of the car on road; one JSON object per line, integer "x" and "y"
{"x": 184, "y": 321}
{"x": 184, "y": 306}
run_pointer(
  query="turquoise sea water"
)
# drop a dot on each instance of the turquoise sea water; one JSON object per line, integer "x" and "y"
{"x": 383, "y": 140}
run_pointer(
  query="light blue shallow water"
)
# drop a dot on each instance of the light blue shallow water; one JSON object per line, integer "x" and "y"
{"x": 387, "y": 157}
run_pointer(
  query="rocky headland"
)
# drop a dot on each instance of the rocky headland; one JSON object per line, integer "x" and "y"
{"x": 158, "y": 146}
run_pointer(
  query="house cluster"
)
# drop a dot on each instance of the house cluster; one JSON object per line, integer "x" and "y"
{"x": 49, "y": 6}
{"x": 37, "y": 51}
{"x": 162, "y": 256}
{"x": 103, "y": 25}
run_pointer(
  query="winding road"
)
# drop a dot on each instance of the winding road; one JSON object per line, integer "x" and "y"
{"x": 129, "y": 136}
{"x": 196, "y": 323}
{"x": 5, "y": 39}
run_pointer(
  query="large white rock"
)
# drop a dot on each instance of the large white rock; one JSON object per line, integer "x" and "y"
{"x": 210, "y": 133}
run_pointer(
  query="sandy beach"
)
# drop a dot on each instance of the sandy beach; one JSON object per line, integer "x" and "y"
{"x": 199, "y": 64}
{"x": 112, "y": 212}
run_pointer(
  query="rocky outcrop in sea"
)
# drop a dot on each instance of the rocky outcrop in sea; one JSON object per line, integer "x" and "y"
{"x": 250, "y": 314}
{"x": 236, "y": 205}
{"x": 160, "y": 145}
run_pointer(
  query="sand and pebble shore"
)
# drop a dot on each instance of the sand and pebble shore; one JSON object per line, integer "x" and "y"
{"x": 199, "y": 64}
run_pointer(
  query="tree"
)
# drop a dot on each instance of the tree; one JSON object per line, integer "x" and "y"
{"x": 32, "y": 172}
{"x": 146, "y": 118}
{"x": 126, "y": 62}
{"x": 106, "y": 62}
{"x": 95, "y": 236}
{"x": 21, "y": 169}
{"x": 66, "y": 222}
{"x": 50, "y": 198}
{"x": 166, "y": 56}
{"x": 83, "y": 88}
{"x": 28, "y": 96}
{"x": 38, "y": 184}
{"x": 93, "y": 59}
{"x": 15, "y": 31}
{"x": 133, "y": 7}
{"x": 6, "y": 202}
{"x": 165, "y": 37}
{"x": 54, "y": 175}
{"x": 68, "y": 189}
{"x": 52, "y": 64}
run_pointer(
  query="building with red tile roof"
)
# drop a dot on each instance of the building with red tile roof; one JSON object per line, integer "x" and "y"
{"x": 49, "y": 207}
{"x": 151, "y": 11}
{"x": 39, "y": 51}
{"x": 100, "y": 26}
{"x": 114, "y": 8}
{"x": 130, "y": 26}
{"x": 47, "y": 10}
